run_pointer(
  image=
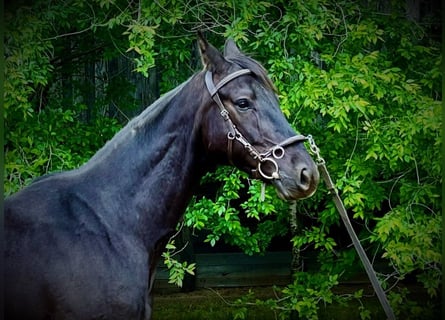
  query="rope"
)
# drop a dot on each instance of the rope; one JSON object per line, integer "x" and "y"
{"x": 358, "y": 246}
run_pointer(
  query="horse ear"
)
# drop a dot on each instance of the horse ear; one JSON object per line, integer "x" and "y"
{"x": 211, "y": 58}
{"x": 231, "y": 49}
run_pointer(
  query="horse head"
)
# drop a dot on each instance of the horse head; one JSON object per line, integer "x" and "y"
{"x": 243, "y": 124}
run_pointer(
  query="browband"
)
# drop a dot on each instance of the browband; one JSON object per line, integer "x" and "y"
{"x": 214, "y": 89}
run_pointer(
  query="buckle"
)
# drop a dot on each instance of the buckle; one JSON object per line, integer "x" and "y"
{"x": 225, "y": 114}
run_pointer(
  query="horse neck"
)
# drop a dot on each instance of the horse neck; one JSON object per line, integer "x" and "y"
{"x": 146, "y": 176}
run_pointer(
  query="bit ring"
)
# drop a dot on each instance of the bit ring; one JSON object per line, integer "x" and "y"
{"x": 274, "y": 174}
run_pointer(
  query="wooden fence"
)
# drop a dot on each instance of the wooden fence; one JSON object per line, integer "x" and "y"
{"x": 233, "y": 270}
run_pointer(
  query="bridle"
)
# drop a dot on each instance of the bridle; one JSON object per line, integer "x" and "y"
{"x": 274, "y": 153}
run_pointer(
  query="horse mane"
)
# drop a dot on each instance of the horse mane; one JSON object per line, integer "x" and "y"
{"x": 151, "y": 112}
{"x": 258, "y": 70}
{"x": 139, "y": 122}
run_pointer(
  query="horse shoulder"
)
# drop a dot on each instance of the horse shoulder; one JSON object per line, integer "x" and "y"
{"x": 59, "y": 241}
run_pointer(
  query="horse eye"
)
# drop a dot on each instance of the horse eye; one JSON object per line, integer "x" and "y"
{"x": 242, "y": 103}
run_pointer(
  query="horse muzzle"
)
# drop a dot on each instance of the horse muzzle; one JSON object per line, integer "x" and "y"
{"x": 301, "y": 185}
{"x": 300, "y": 182}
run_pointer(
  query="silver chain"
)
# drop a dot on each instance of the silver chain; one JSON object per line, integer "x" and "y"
{"x": 315, "y": 150}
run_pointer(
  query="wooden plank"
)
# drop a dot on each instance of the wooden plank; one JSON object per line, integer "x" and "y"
{"x": 235, "y": 270}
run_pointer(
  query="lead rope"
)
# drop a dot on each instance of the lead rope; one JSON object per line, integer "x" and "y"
{"x": 358, "y": 247}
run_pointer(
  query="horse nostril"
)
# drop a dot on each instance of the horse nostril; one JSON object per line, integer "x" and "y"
{"x": 305, "y": 179}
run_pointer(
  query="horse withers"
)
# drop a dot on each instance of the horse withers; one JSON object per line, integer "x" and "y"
{"x": 84, "y": 244}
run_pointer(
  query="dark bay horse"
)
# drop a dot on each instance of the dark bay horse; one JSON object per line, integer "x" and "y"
{"x": 84, "y": 244}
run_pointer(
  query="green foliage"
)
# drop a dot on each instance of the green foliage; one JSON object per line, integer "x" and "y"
{"x": 50, "y": 142}
{"x": 366, "y": 85}
{"x": 303, "y": 297}
{"x": 177, "y": 269}
{"x": 27, "y": 64}
{"x": 411, "y": 238}
{"x": 141, "y": 37}
{"x": 221, "y": 218}
{"x": 407, "y": 308}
